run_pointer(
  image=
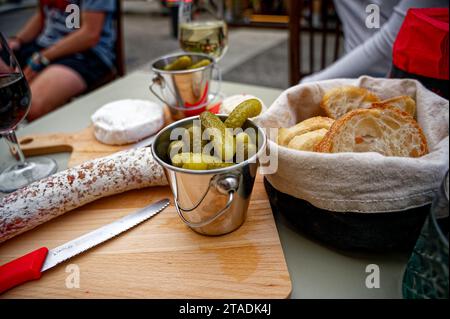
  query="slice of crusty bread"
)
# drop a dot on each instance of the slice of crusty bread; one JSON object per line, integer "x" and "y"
{"x": 285, "y": 135}
{"x": 282, "y": 135}
{"x": 403, "y": 103}
{"x": 341, "y": 100}
{"x": 384, "y": 130}
{"x": 307, "y": 141}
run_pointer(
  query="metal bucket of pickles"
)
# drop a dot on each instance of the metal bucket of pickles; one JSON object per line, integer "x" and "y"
{"x": 211, "y": 163}
{"x": 183, "y": 82}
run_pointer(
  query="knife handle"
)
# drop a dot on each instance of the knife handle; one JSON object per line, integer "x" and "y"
{"x": 23, "y": 269}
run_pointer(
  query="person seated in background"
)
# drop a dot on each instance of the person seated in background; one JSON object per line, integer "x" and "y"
{"x": 61, "y": 61}
{"x": 369, "y": 50}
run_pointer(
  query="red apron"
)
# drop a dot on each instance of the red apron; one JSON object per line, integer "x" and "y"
{"x": 421, "y": 50}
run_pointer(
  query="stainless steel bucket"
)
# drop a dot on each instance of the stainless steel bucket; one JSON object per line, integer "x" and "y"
{"x": 211, "y": 202}
{"x": 186, "y": 92}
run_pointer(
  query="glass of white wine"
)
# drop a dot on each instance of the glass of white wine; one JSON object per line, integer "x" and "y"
{"x": 202, "y": 28}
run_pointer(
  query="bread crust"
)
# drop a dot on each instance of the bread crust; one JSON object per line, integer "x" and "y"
{"x": 403, "y": 103}
{"x": 309, "y": 125}
{"x": 341, "y": 100}
{"x": 327, "y": 144}
{"x": 307, "y": 141}
{"x": 393, "y": 108}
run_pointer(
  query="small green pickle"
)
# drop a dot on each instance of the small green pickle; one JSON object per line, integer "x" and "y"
{"x": 196, "y": 166}
{"x": 212, "y": 121}
{"x": 243, "y": 138}
{"x": 245, "y": 110}
{"x": 183, "y": 158}
{"x": 205, "y": 166}
{"x": 250, "y": 149}
{"x": 200, "y": 64}
{"x": 175, "y": 147}
{"x": 195, "y": 139}
{"x": 182, "y": 63}
{"x": 226, "y": 145}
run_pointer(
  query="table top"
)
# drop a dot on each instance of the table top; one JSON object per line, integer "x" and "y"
{"x": 316, "y": 270}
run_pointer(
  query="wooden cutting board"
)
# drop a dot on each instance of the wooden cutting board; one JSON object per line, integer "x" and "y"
{"x": 161, "y": 258}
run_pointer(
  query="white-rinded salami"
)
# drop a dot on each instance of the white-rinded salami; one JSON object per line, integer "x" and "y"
{"x": 43, "y": 200}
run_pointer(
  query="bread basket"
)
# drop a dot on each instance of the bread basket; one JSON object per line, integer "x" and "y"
{"x": 357, "y": 200}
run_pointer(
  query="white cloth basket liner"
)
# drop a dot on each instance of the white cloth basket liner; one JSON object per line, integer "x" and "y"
{"x": 360, "y": 182}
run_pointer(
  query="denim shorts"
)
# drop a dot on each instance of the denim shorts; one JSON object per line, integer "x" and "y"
{"x": 87, "y": 64}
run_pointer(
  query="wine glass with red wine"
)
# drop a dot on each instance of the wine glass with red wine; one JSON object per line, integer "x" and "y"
{"x": 15, "y": 99}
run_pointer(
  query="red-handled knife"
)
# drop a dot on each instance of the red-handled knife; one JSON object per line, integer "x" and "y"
{"x": 31, "y": 266}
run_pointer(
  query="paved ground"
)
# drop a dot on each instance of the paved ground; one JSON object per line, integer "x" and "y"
{"x": 267, "y": 68}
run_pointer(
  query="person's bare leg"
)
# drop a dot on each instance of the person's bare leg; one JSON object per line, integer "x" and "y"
{"x": 53, "y": 87}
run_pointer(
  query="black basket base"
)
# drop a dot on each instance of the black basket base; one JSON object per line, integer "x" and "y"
{"x": 378, "y": 232}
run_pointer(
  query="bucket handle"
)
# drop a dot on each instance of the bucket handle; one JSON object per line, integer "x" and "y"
{"x": 157, "y": 80}
{"x": 224, "y": 184}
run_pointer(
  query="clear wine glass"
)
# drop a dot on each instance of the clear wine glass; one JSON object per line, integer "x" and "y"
{"x": 202, "y": 27}
{"x": 15, "y": 99}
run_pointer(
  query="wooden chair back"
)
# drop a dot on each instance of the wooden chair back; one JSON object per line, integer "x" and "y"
{"x": 119, "y": 46}
{"x": 304, "y": 31}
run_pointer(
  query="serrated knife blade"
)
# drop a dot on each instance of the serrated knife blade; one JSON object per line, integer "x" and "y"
{"x": 100, "y": 235}
{"x": 32, "y": 265}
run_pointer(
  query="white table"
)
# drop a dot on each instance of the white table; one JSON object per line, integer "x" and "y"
{"x": 317, "y": 271}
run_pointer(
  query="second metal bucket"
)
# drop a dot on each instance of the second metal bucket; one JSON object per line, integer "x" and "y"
{"x": 185, "y": 92}
{"x": 211, "y": 202}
